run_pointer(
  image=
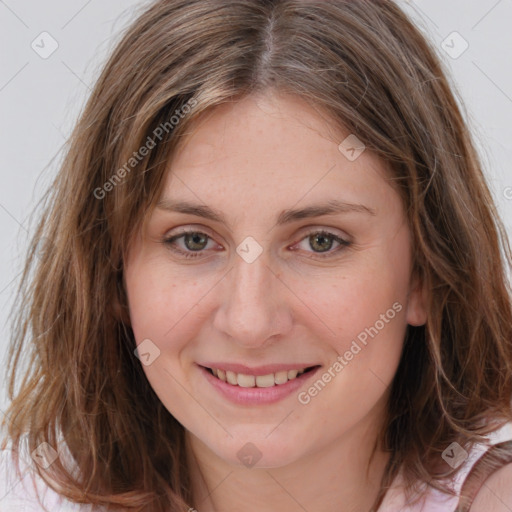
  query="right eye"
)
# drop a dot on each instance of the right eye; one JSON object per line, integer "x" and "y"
{"x": 192, "y": 244}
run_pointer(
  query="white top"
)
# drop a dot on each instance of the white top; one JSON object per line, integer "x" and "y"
{"x": 18, "y": 494}
{"x": 434, "y": 500}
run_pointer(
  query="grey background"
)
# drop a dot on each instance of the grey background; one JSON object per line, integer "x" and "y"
{"x": 40, "y": 99}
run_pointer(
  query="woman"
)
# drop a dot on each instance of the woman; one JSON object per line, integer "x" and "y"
{"x": 271, "y": 275}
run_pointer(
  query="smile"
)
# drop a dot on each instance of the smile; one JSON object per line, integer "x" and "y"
{"x": 268, "y": 384}
{"x": 258, "y": 381}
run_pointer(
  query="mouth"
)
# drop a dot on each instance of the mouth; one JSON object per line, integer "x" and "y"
{"x": 267, "y": 380}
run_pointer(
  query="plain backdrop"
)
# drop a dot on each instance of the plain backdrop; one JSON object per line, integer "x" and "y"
{"x": 41, "y": 95}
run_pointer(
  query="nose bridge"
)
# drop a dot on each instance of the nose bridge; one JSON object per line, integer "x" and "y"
{"x": 250, "y": 279}
{"x": 252, "y": 309}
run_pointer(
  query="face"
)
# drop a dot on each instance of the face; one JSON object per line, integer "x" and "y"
{"x": 271, "y": 287}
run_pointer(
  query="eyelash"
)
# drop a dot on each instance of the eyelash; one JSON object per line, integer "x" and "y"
{"x": 170, "y": 242}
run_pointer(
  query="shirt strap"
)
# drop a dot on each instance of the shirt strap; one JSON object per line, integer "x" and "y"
{"x": 492, "y": 460}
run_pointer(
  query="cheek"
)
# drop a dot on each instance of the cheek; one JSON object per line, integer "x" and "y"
{"x": 163, "y": 309}
{"x": 359, "y": 312}
{"x": 366, "y": 312}
{"x": 162, "y": 301}
{"x": 345, "y": 305}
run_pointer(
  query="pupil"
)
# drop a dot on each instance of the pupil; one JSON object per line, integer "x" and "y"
{"x": 322, "y": 238}
{"x": 195, "y": 239}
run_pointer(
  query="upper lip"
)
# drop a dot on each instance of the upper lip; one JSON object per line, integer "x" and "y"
{"x": 256, "y": 370}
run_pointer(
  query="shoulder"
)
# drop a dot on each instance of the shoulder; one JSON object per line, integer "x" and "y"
{"x": 496, "y": 490}
{"x": 25, "y": 491}
{"x": 488, "y": 486}
{"x": 495, "y": 495}
{"x": 490, "y": 480}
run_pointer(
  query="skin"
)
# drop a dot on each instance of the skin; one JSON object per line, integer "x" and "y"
{"x": 250, "y": 160}
{"x": 495, "y": 494}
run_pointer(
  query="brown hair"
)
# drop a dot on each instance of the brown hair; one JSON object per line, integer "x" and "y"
{"x": 369, "y": 67}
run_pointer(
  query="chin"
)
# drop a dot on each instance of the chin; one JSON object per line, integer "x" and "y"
{"x": 256, "y": 451}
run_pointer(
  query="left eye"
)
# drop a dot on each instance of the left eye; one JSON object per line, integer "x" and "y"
{"x": 323, "y": 241}
{"x": 194, "y": 243}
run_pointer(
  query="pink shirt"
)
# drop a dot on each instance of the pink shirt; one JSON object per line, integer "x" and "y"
{"x": 18, "y": 494}
{"x": 434, "y": 500}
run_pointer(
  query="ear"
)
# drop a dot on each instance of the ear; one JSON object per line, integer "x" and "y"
{"x": 417, "y": 302}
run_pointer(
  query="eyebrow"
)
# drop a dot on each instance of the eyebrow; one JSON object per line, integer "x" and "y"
{"x": 333, "y": 207}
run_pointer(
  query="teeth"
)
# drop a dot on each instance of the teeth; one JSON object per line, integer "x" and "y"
{"x": 260, "y": 381}
{"x": 265, "y": 381}
{"x": 281, "y": 377}
{"x": 231, "y": 378}
{"x": 246, "y": 381}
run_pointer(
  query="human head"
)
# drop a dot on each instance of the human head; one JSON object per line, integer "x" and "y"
{"x": 390, "y": 91}
{"x": 279, "y": 302}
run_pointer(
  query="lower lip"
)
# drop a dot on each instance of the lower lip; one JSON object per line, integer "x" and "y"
{"x": 257, "y": 396}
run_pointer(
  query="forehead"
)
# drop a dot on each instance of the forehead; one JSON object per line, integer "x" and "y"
{"x": 275, "y": 149}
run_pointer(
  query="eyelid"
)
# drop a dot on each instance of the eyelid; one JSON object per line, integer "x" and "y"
{"x": 188, "y": 229}
{"x": 307, "y": 230}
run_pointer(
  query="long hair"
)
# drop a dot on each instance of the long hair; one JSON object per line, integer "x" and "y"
{"x": 366, "y": 65}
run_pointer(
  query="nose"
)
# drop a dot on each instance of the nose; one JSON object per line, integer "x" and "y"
{"x": 254, "y": 308}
